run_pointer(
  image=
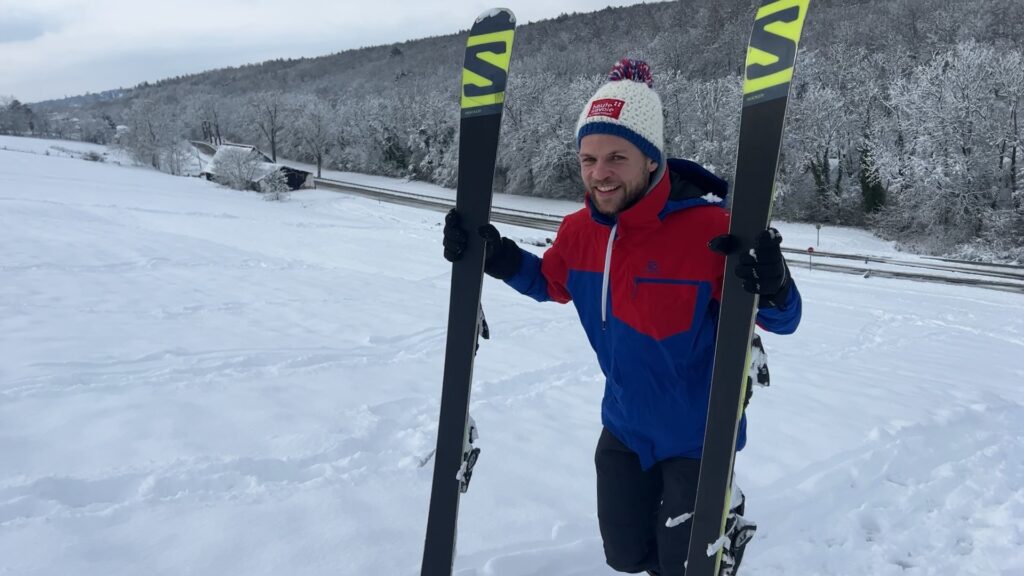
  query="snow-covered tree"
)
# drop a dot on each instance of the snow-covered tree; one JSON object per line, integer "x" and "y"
{"x": 17, "y": 118}
{"x": 206, "y": 114}
{"x": 817, "y": 117}
{"x": 540, "y": 158}
{"x": 315, "y": 128}
{"x": 702, "y": 119}
{"x": 239, "y": 168}
{"x": 154, "y": 136}
{"x": 269, "y": 112}
{"x": 274, "y": 186}
{"x": 944, "y": 170}
{"x": 1009, "y": 94}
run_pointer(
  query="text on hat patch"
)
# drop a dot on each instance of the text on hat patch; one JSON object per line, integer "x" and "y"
{"x": 609, "y": 107}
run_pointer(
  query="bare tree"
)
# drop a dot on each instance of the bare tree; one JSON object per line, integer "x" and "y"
{"x": 1009, "y": 86}
{"x": 270, "y": 114}
{"x": 316, "y": 128}
{"x": 206, "y": 111}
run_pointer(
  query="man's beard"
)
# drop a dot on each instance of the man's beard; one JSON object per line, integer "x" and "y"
{"x": 633, "y": 192}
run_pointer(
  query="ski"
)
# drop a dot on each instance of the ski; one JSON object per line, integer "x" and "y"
{"x": 484, "y": 76}
{"x": 770, "y": 61}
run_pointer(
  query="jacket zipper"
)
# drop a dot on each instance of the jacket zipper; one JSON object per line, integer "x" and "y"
{"x": 605, "y": 279}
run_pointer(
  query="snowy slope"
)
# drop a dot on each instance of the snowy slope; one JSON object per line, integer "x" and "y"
{"x": 59, "y": 148}
{"x": 194, "y": 381}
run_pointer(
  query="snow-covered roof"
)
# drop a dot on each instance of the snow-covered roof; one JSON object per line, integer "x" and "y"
{"x": 230, "y": 145}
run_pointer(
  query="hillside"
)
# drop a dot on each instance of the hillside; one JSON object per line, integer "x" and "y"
{"x": 905, "y": 114}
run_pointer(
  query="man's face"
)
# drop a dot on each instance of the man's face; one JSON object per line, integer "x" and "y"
{"x": 615, "y": 172}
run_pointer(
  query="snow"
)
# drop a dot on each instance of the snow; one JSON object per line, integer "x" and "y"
{"x": 717, "y": 545}
{"x": 44, "y": 146}
{"x": 490, "y": 13}
{"x": 673, "y": 522}
{"x": 195, "y": 381}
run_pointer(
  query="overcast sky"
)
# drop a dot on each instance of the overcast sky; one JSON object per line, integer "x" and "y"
{"x": 56, "y": 48}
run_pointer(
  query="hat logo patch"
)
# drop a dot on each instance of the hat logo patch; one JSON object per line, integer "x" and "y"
{"x": 608, "y": 107}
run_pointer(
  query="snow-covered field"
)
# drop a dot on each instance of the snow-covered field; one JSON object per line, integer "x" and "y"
{"x": 194, "y": 381}
{"x": 57, "y": 148}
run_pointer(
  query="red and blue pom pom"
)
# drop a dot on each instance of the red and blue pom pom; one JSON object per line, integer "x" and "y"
{"x": 635, "y": 70}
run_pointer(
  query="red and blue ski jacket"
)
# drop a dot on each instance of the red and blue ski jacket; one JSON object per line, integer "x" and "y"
{"x": 647, "y": 290}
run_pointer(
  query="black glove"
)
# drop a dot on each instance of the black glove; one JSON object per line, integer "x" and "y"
{"x": 501, "y": 255}
{"x": 455, "y": 240}
{"x": 765, "y": 271}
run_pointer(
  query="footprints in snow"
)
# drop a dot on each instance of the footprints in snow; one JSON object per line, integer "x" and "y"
{"x": 372, "y": 443}
{"x": 867, "y": 509}
{"x": 187, "y": 368}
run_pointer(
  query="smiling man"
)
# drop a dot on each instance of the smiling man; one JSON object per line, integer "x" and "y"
{"x": 636, "y": 263}
{"x": 615, "y": 172}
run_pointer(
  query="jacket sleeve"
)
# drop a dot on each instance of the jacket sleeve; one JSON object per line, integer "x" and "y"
{"x": 544, "y": 278}
{"x": 782, "y": 319}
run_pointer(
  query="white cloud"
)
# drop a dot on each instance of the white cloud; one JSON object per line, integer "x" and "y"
{"x": 60, "y": 48}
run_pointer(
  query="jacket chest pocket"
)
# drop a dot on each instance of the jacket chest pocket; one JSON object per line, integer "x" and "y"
{"x": 662, "y": 307}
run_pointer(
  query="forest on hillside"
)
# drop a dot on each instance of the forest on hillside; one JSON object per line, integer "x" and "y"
{"x": 905, "y": 113}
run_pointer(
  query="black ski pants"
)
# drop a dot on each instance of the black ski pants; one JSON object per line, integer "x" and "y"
{"x": 634, "y": 506}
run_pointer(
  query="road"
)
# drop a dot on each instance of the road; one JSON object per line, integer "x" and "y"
{"x": 1004, "y": 277}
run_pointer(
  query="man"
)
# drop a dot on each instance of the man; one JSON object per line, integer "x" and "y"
{"x": 636, "y": 262}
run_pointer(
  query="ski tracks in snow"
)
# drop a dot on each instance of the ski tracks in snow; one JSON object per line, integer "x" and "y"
{"x": 368, "y": 444}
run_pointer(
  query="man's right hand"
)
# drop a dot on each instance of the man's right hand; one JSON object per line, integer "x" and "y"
{"x": 501, "y": 255}
{"x": 455, "y": 239}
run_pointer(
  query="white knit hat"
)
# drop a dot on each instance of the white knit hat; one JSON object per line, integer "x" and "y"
{"x": 627, "y": 106}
